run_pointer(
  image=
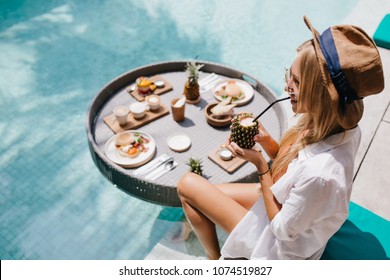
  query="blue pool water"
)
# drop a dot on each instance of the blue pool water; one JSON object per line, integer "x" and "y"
{"x": 56, "y": 55}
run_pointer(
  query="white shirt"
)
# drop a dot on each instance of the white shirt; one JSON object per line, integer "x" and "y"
{"x": 314, "y": 192}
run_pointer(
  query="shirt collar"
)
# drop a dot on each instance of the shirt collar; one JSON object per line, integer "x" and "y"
{"x": 328, "y": 143}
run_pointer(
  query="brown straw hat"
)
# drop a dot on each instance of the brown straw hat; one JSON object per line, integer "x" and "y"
{"x": 351, "y": 69}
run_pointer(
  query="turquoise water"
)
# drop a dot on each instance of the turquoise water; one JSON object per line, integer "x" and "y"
{"x": 54, "y": 58}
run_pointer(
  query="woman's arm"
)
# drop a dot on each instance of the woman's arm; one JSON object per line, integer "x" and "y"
{"x": 271, "y": 204}
{"x": 270, "y": 146}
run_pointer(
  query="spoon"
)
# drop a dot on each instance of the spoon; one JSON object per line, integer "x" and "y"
{"x": 168, "y": 166}
{"x": 152, "y": 166}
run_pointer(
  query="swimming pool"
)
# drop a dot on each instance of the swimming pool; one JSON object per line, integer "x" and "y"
{"x": 55, "y": 56}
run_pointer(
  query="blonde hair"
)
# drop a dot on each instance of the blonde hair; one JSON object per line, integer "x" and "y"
{"x": 318, "y": 121}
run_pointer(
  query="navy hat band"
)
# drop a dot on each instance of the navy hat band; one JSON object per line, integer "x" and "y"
{"x": 346, "y": 93}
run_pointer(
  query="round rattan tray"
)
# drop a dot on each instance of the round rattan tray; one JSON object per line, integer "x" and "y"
{"x": 204, "y": 137}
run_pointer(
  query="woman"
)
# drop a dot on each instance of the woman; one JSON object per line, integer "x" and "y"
{"x": 303, "y": 199}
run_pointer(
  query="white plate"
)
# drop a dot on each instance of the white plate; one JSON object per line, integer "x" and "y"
{"x": 245, "y": 87}
{"x": 179, "y": 142}
{"x": 113, "y": 154}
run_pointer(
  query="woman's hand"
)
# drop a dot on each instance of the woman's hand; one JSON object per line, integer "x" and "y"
{"x": 270, "y": 146}
{"x": 271, "y": 204}
{"x": 250, "y": 155}
{"x": 263, "y": 136}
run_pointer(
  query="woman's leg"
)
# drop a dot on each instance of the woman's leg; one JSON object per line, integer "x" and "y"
{"x": 206, "y": 205}
{"x": 246, "y": 194}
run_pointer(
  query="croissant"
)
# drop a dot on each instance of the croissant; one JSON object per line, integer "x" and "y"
{"x": 222, "y": 109}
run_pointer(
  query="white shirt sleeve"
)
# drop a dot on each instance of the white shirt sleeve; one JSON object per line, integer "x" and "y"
{"x": 310, "y": 200}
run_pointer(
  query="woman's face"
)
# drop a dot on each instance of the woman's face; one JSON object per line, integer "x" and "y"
{"x": 292, "y": 85}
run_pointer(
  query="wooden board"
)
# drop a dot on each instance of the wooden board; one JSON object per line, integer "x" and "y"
{"x": 132, "y": 123}
{"x": 232, "y": 165}
{"x": 167, "y": 87}
{"x": 229, "y": 166}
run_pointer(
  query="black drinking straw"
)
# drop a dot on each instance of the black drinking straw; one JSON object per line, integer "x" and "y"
{"x": 270, "y": 105}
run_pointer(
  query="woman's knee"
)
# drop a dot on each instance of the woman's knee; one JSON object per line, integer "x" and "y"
{"x": 187, "y": 184}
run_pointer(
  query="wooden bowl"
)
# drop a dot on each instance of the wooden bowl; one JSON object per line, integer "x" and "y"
{"x": 216, "y": 121}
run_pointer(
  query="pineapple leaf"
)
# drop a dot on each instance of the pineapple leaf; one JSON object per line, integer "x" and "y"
{"x": 195, "y": 165}
{"x": 192, "y": 70}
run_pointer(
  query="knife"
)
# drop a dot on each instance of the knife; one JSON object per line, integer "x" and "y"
{"x": 152, "y": 165}
{"x": 168, "y": 166}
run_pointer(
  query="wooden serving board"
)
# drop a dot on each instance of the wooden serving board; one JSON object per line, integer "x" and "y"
{"x": 229, "y": 166}
{"x": 167, "y": 87}
{"x": 232, "y": 165}
{"x": 132, "y": 123}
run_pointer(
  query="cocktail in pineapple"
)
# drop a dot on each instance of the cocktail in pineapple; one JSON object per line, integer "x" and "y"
{"x": 243, "y": 129}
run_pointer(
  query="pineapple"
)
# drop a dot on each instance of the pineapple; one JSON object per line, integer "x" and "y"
{"x": 195, "y": 165}
{"x": 243, "y": 129}
{"x": 191, "y": 88}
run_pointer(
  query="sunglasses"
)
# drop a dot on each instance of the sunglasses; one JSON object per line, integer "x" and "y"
{"x": 289, "y": 77}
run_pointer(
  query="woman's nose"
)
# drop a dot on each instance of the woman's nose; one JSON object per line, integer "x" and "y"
{"x": 288, "y": 88}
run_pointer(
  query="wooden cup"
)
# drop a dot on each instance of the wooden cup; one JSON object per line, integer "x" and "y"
{"x": 178, "y": 111}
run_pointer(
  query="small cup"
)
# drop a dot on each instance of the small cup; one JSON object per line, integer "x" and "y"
{"x": 153, "y": 101}
{"x": 178, "y": 106}
{"x": 139, "y": 109}
{"x": 121, "y": 112}
{"x": 159, "y": 84}
{"x": 225, "y": 154}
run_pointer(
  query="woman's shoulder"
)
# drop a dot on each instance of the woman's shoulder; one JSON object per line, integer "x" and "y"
{"x": 332, "y": 156}
{"x": 325, "y": 172}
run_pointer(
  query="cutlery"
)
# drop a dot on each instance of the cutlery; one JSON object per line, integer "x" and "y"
{"x": 152, "y": 165}
{"x": 168, "y": 166}
{"x": 157, "y": 169}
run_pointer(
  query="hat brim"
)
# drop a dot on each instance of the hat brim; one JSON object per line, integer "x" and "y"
{"x": 353, "y": 112}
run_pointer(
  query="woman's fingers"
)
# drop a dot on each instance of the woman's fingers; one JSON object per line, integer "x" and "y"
{"x": 234, "y": 148}
{"x": 227, "y": 146}
{"x": 262, "y": 136}
{"x": 257, "y": 138}
{"x": 239, "y": 151}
